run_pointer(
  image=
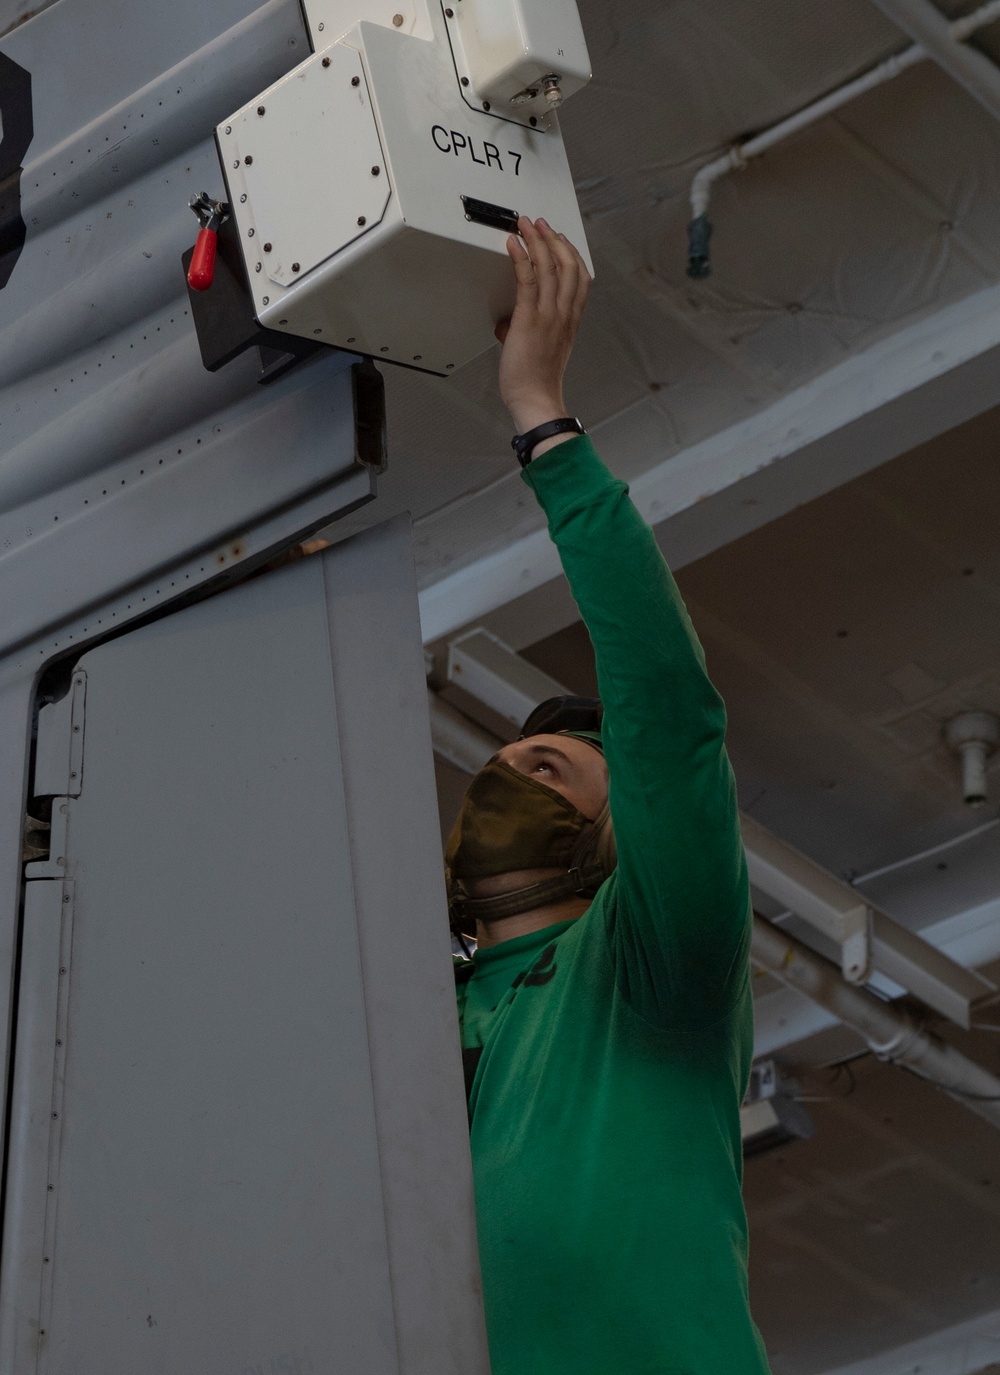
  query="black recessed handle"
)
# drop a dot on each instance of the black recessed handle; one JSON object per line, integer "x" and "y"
{"x": 496, "y": 216}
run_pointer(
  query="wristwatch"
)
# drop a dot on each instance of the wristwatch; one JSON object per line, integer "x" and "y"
{"x": 524, "y": 444}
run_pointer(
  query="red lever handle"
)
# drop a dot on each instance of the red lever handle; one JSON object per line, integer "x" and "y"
{"x": 202, "y": 270}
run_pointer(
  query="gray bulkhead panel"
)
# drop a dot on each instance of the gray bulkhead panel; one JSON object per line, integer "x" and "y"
{"x": 238, "y": 1137}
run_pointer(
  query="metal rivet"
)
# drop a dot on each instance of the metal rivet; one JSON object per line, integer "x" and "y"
{"x": 465, "y": 81}
{"x": 486, "y": 106}
{"x": 362, "y": 219}
{"x": 384, "y": 348}
{"x": 376, "y": 171}
{"x": 257, "y": 267}
{"x": 397, "y": 20}
{"x": 317, "y": 331}
{"x": 45, "y": 1260}
{"x": 321, "y": 27}
{"x": 265, "y": 299}
{"x": 355, "y": 81}
{"x": 250, "y": 233}
{"x": 51, "y": 1187}
{"x": 353, "y": 339}
{"x": 449, "y": 365}
{"x": 326, "y": 62}
{"x": 295, "y": 267}
{"x": 72, "y": 775}
{"x": 260, "y": 109}
{"x": 243, "y": 197}
{"x": 248, "y": 159}
{"x": 283, "y": 322}
{"x": 449, "y": 14}
{"x": 236, "y": 163}
{"x": 229, "y": 128}
{"x": 417, "y": 357}
{"x": 267, "y": 248}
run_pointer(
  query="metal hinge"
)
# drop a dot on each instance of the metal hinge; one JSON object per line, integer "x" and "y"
{"x": 59, "y": 749}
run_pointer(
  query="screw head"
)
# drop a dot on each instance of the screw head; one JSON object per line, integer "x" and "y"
{"x": 257, "y": 268}
{"x": 534, "y": 121}
{"x": 248, "y": 159}
{"x": 362, "y": 219}
{"x": 243, "y": 197}
{"x": 449, "y": 14}
{"x": 267, "y": 248}
{"x": 295, "y": 267}
{"x": 260, "y": 109}
{"x": 317, "y": 331}
{"x": 465, "y": 81}
{"x": 326, "y": 62}
{"x": 265, "y": 299}
{"x": 236, "y": 163}
{"x": 352, "y": 340}
{"x": 376, "y": 171}
{"x": 486, "y": 104}
{"x": 229, "y": 128}
{"x": 250, "y": 233}
{"x": 321, "y": 27}
{"x": 384, "y": 348}
{"x": 397, "y": 21}
{"x": 355, "y": 81}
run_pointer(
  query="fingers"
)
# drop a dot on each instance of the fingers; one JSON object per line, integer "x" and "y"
{"x": 524, "y": 275}
{"x": 537, "y": 243}
{"x": 569, "y": 264}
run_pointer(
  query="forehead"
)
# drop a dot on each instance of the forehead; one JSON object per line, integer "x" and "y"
{"x": 577, "y": 752}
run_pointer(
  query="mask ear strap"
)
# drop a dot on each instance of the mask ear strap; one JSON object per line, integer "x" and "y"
{"x": 575, "y": 883}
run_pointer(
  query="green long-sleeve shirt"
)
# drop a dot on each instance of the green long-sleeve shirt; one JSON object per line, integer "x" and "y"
{"x": 610, "y": 1054}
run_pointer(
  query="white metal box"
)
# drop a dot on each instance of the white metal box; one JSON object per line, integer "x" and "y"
{"x": 373, "y": 203}
{"x": 520, "y": 53}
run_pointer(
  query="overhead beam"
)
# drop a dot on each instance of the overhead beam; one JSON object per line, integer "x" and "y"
{"x": 969, "y": 1348}
{"x": 881, "y": 402}
{"x": 867, "y": 936}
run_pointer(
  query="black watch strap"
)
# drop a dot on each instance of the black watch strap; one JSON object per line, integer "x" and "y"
{"x": 524, "y": 444}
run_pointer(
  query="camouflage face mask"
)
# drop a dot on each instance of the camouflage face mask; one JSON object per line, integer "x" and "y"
{"x": 509, "y": 822}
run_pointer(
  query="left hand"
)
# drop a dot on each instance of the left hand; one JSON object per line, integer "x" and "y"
{"x": 552, "y": 287}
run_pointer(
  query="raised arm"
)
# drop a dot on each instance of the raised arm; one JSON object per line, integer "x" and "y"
{"x": 679, "y": 921}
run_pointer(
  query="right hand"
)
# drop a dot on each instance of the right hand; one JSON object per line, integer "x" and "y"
{"x": 552, "y": 287}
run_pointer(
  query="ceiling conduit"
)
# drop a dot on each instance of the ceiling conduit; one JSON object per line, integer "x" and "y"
{"x": 936, "y": 37}
{"x": 890, "y": 1033}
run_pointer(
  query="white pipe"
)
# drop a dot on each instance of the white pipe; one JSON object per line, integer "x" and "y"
{"x": 740, "y": 154}
{"x": 889, "y": 1032}
{"x": 922, "y": 21}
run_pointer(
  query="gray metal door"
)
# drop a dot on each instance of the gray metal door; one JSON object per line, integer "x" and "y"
{"x": 238, "y": 1139}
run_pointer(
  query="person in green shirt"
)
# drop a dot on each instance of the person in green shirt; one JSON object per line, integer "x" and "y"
{"x": 606, "y": 1022}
